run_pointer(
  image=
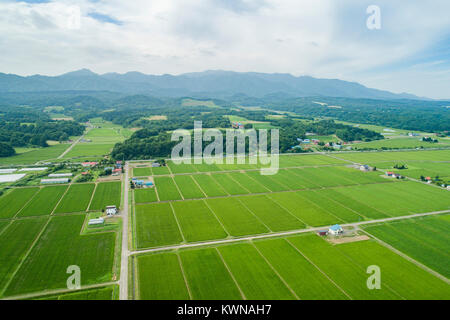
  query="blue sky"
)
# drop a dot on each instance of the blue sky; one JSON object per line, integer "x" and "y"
{"x": 320, "y": 38}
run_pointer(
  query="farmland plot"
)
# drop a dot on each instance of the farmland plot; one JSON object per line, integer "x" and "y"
{"x": 76, "y": 199}
{"x": 237, "y": 220}
{"x": 271, "y": 214}
{"x": 350, "y": 277}
{"x": 306, "y": 280}
{"x": 161, "y": 278}
{"x": 422, "y": 239}
{"x": 305, "y": 210}
{"x": 207, "y": 276}
{"x": 156, "y": 226}
{"x": 15, "y": 241}
{"x": 142, "y": 172}
{"x": 43, "y": 202}
{"x": 254, "y": 276}
{"x": 145, "y": 195}
{"x": 59, "y": 247}
{"x": 166, "y": 189}
{"x": 106, "y": 194}
{"x": 13, "y": 201}
{"x": 401, "y": 276}
{"x": 250, "y": 184}
{"x": 197, "y": 222}
{"x": 209, "y": 185}
{"x": 188, "y": 187}
{"x": 228, "y": 184}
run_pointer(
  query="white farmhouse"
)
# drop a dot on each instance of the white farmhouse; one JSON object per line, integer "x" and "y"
{"x": 335, "y": 230}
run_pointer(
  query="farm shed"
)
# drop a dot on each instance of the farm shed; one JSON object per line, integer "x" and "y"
{"x": 111, "y": 210}
{"x": 2, "y": 171}
{"x": 55, "y": 181}
{"x": 364, "y": 168}
{"x": 98, "y": 221}
{"x": 335, "y": 230}
{"x": 60, "y": 175}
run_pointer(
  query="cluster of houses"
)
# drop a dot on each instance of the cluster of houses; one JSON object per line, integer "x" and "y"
{"x": 116, "y": 170}
{"x": 138, "y": 184}
{"x": 394, "y": 175}
{"x": 237, "y": 125}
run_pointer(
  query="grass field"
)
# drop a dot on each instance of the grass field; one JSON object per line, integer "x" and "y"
{"x": 36, "y": 155}
{"x": 88, "y": 150}
{"x": 400, "y": 143}
{"x": 76, "y": 199}
{"x": 106, "y": 194}
{"x": 43, "y": 202}
{"x": 59, "y": 247}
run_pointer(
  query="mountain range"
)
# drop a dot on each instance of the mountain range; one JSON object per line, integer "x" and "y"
{"x": 207, "y": 84}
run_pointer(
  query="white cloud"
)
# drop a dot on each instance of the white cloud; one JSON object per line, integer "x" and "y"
{"x": 322, "y": 38}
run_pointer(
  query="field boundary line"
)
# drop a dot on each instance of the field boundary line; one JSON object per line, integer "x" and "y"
{"x": 180, "y": 263}
{"x": 198, "y": 185}
{"x": 328, "y": 210}
{"x": 25, "y": 257}
{"x": 231, "y": 274}
{"x": 215, "y": 215}
{"x": 178, "y": 223}
{"x": 237, "y": 182}
{"x": 275, "y": 271}
{"x": 178, "y": 189}
{"x": 218, "y": 183}
{"x": 257, "y": 218}
{"x": 320, "y": 270}
{"x": 321, "y": 208}
{"x": 257, "y": 182}
{"x": 277, "y": 234}
{"x": 412, "y": 260}
{"x": 283, "y": 208}
{"x": 59, "y": 202}
{"x": 359, "y": 266}
{"x": 92, "y": 197}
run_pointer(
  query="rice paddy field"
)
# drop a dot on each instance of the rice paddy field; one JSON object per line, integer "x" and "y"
{"x": 298, "y": 267}
{"x": 106, "y": 194}
{"x": 38, "y": 246}
{"x": 424, "y": 239}
{"x": 232, "y": 233}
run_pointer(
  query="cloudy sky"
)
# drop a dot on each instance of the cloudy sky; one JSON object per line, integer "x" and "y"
{"x": 320, "y": 38}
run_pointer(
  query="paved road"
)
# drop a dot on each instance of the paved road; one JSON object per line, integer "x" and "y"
{"x": 125, "y": 253}
{"x": 286, "y": 233}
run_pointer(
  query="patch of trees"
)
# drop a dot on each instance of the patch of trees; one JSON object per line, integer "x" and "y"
{"x": 6, "y": 150}
{"x": 427, "y": 116}
{"x": 18, "y": 134}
